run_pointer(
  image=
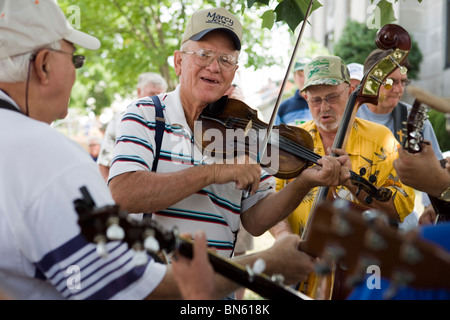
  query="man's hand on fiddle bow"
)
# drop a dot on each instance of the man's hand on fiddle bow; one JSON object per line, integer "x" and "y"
{"x": 244, "y": 173}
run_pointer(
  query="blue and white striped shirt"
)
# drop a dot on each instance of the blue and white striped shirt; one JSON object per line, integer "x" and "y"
{"x": 216, "y": 208}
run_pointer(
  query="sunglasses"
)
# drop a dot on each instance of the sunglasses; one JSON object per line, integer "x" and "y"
{"x": 77, "y": 59}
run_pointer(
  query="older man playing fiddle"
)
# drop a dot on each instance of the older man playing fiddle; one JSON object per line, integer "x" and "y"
{"x": 188, "y": 190}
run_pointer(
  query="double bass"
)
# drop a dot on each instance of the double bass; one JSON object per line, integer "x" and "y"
{"x": 330, "y": 284}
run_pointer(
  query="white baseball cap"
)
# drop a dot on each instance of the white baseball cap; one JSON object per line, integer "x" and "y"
{"x": 28, "y": 25}
{"x": 356, "y": 71}
{"x": 207, "y": 20}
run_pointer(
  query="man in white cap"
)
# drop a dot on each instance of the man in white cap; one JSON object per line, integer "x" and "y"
{"x": 44, "y": 255}
{"x": 42, "y": 171}
{"x": 188, "y": 190}
{"x": 370, "y": 146}
{"x": 294, "y": 111}
{"x": 356, "y": 73}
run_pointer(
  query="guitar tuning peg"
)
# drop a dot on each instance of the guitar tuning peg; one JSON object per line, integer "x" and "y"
{"x": 258, "y": 267}
{"x": 332, "y": 253}
{"x": 341, "y": 226}
{"x": 115, "y": 232}
{"x": 140, "y": 256}
{"x": 375, "y": 241}
{"x": 150, "y": 242}
{"x": 359, "y": 275}
{"x": 400, "y": 278}
{"x": 101, "y": 249}
{"x": 278, "y": 278}
{"x": 410, "y": 254}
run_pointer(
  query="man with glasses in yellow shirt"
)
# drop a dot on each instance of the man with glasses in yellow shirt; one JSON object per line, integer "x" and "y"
{"x": 370, "y": 146}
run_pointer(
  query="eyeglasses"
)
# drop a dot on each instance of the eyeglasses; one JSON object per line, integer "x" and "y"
{"x": 77, "y": 59}
{"x": 330, "y": 99}
{"x": 205, "y": 57}
{"x": 393, "y": 82}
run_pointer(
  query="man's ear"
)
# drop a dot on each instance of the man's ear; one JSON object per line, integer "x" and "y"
{"x": 177, "y": 57}
{"x": 42, "y": 66}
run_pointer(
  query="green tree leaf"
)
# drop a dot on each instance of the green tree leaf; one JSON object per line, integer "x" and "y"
{"x": 387, "y": 12}
{"x": 268, "y": 19}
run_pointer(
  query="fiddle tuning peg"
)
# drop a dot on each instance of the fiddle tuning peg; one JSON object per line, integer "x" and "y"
{"x": 373, "y": 178}
{"x": 358, "y": 191}
{"x": 362, "y": 171}
{"x": 368, "y": 200}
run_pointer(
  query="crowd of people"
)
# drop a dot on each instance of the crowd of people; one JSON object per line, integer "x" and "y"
{"x": 150, "y": 165}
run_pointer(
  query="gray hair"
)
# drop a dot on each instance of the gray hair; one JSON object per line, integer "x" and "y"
{"x": 155, "y": 79}
{"x": 15, "y": 69}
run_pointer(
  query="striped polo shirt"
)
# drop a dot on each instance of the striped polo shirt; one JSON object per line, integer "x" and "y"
{"x": 216, "y": 208}
{"x": 43, "y": 255}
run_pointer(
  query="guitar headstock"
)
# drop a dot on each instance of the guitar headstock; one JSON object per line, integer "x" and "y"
{"x": 414, "y": 126}
{"x": 357, "y": 241}
{"x": 109, "y": 223}
{"x": 389, "y": 37}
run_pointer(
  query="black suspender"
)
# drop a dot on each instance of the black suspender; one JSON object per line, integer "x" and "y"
{"x": 159, "y": 130}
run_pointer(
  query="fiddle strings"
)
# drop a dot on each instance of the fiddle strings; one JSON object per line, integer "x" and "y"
{"x": 286, "y": 144}
{"x": 302, "y": 152}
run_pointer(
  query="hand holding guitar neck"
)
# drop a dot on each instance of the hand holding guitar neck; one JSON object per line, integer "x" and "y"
{"x": 356, "y": 241}
{"x": 147, "y": 237}
{"x": 418, "y": 167}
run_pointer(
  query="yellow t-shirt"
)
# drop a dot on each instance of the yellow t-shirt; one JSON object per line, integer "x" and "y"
{"x": 371, "y": 146}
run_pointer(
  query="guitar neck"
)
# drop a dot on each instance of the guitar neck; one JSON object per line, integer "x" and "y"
{"x": 441, "y": 207}
{"x": 258, "y": 283}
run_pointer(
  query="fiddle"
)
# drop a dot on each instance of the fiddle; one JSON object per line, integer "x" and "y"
{"x": 229, "y": 128}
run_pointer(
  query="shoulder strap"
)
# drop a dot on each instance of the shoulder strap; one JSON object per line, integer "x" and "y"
{"x": 399, "y": 114}
{"x": 8, "y": 106}
{"x": 159, "y": 130}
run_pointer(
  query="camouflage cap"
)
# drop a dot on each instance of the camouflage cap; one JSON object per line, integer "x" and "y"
{"x": 326, "y": 70}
